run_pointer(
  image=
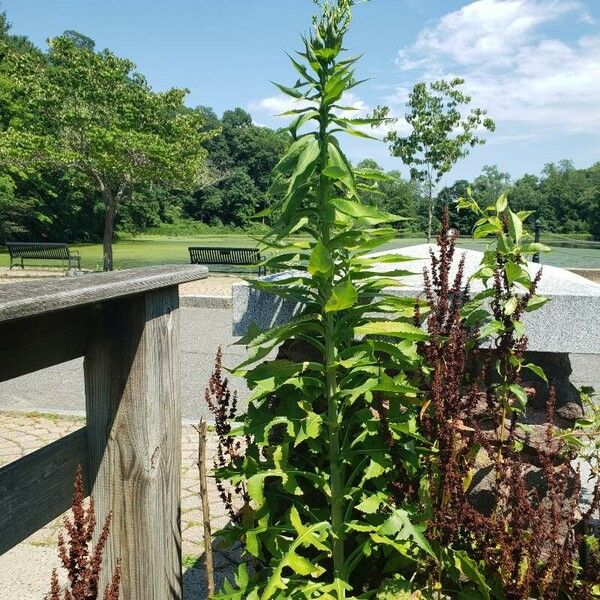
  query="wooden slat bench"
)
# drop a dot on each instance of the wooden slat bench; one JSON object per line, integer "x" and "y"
{"x": 42, "y": 251}
{"x": 126, "y": 326}
{"x": 234, "y": 257}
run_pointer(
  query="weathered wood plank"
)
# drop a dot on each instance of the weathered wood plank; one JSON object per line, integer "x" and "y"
{"x": 28, "y": 345}
{"x": 21, "y": 300}
{"x": 134, "y": 432}
{"x": 37, "y": 488}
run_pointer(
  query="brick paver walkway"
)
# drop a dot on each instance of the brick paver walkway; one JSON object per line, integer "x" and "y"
{"x": 22, "y": 433}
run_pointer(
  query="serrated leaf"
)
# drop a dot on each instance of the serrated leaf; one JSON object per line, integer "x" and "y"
{"x": 320, "y": 262}
{"x": 310, "y": 428}
{"x": 399, "y": 525}
{"x": 303, "y": 566}
{"x": 392, "y": 329}
{"x": 343, "y": 296}
{"x": 370, "y": 504}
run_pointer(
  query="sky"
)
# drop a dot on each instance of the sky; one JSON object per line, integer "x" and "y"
{"x": 534, "y": 65}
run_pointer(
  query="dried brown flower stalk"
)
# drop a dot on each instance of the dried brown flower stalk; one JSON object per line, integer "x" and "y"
{"x": 528, "y": 541}
{"x": 223, "y": 405}
{"x": 83, "y": 567}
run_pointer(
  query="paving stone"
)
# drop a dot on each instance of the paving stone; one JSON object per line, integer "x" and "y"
{"x": 21, "y": 434}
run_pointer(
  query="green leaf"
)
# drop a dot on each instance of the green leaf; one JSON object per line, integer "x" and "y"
{"x": 306, "y": 164}
{"x": 510, "y": 305}
{"x": 519, "y": 393}
{"x": 399, "y": 524}
{"x": 320, "y": 262}
{"x": 517, "y": 274}
{"x": 310, "y": 428}
{"x": 370, "y": 504}
{"x": 537, "y": 370}
{"x": 534, "y": 247}
{"x": 515, "y": 226}
{"x": 492, "y": 328}
{"x": 469, "y": 568}
{"x": 337, "y": 159}
{"x": 303, "y": 566}
{"x": 392, "y": 329}
{"x": 536, "y": 302}
{"x": 343, "y": 296}
{"x": 289, "y": 91}
{"x": 501, "y": 203}
{"x": 485, "y": 230}
{"x": 363, "y": 211}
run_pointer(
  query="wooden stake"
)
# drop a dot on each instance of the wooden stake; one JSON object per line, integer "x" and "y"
{"x": 208, "y": 555}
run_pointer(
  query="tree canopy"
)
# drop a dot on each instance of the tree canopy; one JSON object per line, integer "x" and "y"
{"x": 72, "y": 117}
{"x": 441, "y": 133}
{"x": 93, "y": 113}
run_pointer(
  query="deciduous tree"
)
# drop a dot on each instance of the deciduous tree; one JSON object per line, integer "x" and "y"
{"x": 441, "y": 134}
{"x": 94, "y": 113}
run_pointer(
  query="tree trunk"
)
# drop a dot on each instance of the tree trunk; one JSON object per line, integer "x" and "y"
{"x": 111, "y": 202}
{"x": 430, "y": 213}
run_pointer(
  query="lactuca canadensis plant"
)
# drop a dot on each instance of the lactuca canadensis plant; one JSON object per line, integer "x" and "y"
{"x": 326, "y": 522}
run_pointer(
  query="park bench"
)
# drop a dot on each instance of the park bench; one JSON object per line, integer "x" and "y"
{"x": 126, "y": 326}
{"x": 42, "y": 251}
{"x": 234, "y": 257}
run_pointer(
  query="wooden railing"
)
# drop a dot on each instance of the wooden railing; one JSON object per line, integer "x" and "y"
{"x": 126, "y": 326}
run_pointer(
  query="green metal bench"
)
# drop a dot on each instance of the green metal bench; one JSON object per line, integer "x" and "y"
{"x": 19, "y": 251}
{"x": 227, "y": 256}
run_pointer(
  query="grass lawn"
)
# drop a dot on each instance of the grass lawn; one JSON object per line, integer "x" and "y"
{"x": 147, "y": 250}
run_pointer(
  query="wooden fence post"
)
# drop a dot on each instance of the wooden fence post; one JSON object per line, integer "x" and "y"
{"x": 132, "y": 387}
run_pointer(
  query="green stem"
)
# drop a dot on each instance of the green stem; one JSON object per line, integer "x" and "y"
{"x": 336, "y": 474}
{"x": 335, "y": 463}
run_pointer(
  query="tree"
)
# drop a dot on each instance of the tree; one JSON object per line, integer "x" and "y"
{"x": 448, "y": 196}
{"x": 94, "y": 113}
{"x": 81, "y": 41}
{"x": 242, "y": 156}
{"x": 392, "y": 194}
{"x": 440, "y": 134}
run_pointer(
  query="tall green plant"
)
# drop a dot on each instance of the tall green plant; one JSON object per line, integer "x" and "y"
{"x": 510, "y": 290}
{"x": 322, "y": 521}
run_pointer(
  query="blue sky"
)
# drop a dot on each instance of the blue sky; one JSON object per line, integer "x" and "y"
{"x": 534, "y": 64}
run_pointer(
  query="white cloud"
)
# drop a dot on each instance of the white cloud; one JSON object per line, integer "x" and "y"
{"x": 511, "y": 67}
{"x": 484, "y": 30}
{"x": 273, "y": 106}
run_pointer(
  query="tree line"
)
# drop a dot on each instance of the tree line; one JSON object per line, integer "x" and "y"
{"x": 86, "y": 146}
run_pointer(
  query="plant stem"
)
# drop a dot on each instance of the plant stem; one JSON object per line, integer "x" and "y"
{"x": 208, "y": 556}
{"x": 335, "y": 466}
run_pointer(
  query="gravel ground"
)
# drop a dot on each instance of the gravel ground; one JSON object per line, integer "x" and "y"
{"x": 213, "y": 285}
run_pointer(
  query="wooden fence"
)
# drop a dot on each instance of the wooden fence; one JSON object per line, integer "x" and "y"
{"x": 126, "y": 326}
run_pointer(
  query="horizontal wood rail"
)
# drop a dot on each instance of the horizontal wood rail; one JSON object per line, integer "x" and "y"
{"x": 39, "y": 487}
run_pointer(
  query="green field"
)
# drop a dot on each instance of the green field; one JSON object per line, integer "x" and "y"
{"x": 147, "y": 250}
